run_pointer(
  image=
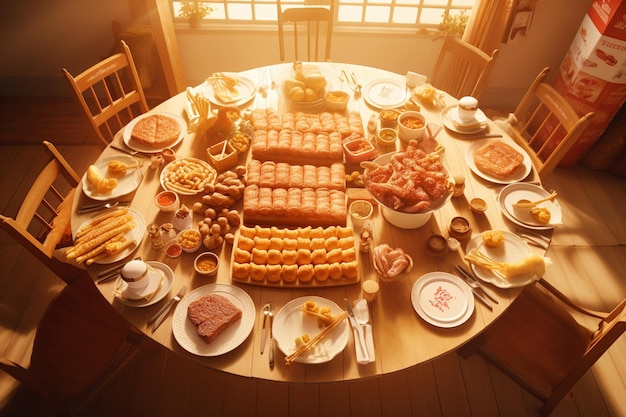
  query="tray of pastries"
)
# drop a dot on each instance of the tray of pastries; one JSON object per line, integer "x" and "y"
{"x": 299, "y": 257}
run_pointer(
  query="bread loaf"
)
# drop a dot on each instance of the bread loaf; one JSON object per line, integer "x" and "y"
{"x": 212, "y": 314}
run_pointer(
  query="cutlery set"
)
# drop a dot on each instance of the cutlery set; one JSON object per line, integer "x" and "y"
{"x": 88, "y": 208}
{"x": 478, "y": 289}
{"x": 158, "y": 318}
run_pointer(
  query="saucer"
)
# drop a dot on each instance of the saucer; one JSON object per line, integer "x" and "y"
{"x": 451, "y": 120}
{"x": 160, "y": 276}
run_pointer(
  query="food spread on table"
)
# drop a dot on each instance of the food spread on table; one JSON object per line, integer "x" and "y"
{"x": 272, "y": 191}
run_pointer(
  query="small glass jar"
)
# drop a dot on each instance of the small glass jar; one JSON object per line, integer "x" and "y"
{"x": 459, "y": 185}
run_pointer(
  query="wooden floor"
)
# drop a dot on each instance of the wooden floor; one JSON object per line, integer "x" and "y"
{"x": 589, "y": 255}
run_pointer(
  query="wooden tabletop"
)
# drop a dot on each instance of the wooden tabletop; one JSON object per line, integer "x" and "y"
{"x": 402, "y": 339}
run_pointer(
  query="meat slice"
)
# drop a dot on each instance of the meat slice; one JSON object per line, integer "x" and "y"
{"x": 497, "y": 159}
{"x": 212, "y": 314}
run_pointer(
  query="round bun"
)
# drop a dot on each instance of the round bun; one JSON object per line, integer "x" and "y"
{"x": 134, "y": 270}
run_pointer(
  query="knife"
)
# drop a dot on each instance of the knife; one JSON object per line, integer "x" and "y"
{"x": 357, "y": 329}
{"x": 129, "y": 151}
{"x": 468, "y": 275}
{"x": 476, "y": 293}
{"x": 158, "y": 318}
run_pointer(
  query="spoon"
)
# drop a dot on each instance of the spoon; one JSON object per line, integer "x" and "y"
{"x": 527, "y": 204}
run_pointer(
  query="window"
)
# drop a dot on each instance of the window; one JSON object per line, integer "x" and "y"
{"x": 422, "y": 14}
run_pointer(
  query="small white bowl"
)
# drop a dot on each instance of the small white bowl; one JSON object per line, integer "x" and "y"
{"x": 360, "y": 210}
{"x": 336, "y": 100}
{"x": 207, "y": 263}
{"x": 189, "y": 240}
{"x": 167, "y": 201}
{"x": 411, "y": 117}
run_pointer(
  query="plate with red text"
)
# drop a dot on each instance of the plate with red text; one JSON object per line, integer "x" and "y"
{"x": 442, "y": 299}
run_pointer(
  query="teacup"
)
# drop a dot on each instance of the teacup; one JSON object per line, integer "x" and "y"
{"x": 467, "y": 108}
{"x": 136, "y": 275}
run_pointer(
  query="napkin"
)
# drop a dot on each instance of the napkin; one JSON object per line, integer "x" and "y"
{"x": 362, "y": 315}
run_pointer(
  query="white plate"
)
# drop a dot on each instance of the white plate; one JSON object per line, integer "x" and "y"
{"x": 169, "y": 166}
{"x": 137, "y": 233}
{"x": 165, "y": 274}
{"x": 186, "y": 334}
{"x": 126, "y": 184}
{"x": 513, "y": 250}
{"x": 442, "y": 299}
{"x": 290, "y": 323}
{"x": 138, "y": 146}
{"x": 245, "y": 88}
{"x": 521, "y": 173}
{"x": 385, "y": 93}
{"x": 450, "y": 119}
{"x": 512, "y": 193}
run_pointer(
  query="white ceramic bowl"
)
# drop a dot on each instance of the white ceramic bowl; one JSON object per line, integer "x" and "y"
{"x": 336, "y": 100}
{"x": 407, "y": 220}
{"x": 167, "y": 201}
{"x": 203, "y": 262}
{"x": 189, "y": 240}
{"x": 360, "y": 210}
{"x": 407, "y": 133}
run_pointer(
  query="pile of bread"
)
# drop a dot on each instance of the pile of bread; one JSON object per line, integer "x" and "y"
{"x": 305, "y": 255}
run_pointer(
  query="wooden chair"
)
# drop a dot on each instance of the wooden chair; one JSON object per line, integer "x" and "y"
{"x": 312, "y": 24}
{"x": 42, "y": 223}
{"x": 81, "y": 343}
{"x": 462, "y": 69}
{"x": 546, "y": 125}
{"x": 539, "y": 343}
{"x": 110, "y": 94}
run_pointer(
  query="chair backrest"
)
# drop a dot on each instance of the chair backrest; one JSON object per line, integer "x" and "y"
{"x": 42, "y": 223}
{"x": 547, "y": 125}
{"x": 462, "y": 69}
{"x": 539, "y": 342}
{"x": 110, "y": 94}
{"x": 312, "y": 27}
{"x": 81, "y": 343}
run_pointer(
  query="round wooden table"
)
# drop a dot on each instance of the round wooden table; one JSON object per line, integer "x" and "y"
{"x": 402, "y": 339}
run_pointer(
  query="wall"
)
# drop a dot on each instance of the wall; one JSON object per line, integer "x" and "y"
{"x": 41, "y": 36}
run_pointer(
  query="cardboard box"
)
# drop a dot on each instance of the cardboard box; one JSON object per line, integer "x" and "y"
{"x": 592, "y": 75}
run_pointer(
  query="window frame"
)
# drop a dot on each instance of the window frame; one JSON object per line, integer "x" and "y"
{"x": 221, "y": 19}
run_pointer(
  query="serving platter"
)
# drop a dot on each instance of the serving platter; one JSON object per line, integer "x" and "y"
{"x": 161, "y": 284}
{"x": 512, "y": 193}
{"x": 140, "y": 147}
{"x": 246, "y": 90}
{"x": 290, "y": 323}
{"x": 513, "y": 250}
{"x": 185, "y": 332}
{"x": 125, "y": 184}
{"x": 136, "y": 233}
{"x": 450, "y": 119}
{"x": 385, "y": 93}
{"x": 442, "y": 299}
{"x": 519, "y": 174}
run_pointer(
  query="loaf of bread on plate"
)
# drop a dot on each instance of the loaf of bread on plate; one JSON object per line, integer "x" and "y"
{"x": 212, "y": 314}
{"x": 497, "y": 159}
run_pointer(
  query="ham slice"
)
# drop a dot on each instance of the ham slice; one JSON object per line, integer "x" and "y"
{"x": 212, "y": 314}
